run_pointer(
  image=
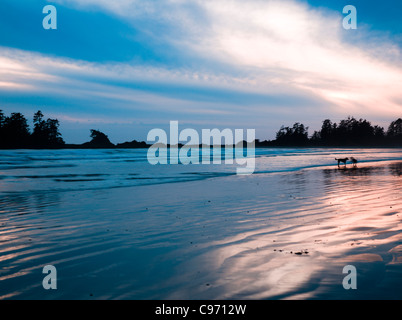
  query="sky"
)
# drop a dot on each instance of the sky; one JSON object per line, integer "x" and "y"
{"x": 128, "y": 66}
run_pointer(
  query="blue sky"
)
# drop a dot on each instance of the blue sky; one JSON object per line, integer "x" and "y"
{"x": 126, "y": 67}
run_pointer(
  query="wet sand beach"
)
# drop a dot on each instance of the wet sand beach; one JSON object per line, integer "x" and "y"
{"x": 284, "y": 235}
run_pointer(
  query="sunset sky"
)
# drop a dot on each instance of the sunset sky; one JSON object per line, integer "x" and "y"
{"x": 126, "y": 67}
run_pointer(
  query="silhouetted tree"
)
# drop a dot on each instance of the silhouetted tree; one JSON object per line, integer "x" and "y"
{"x": 98, "y": 137}
{"x": 295, "y": 136}
{"x": 99, "y": 140}
{"x": 2, "y": 121}
{"x": 349, "y": 132}
{"x": 328, "y": 132}
{"x": 395, "y": 128}
{"x": 394, "y": 132}
{"x": 363, "y": 132}
{"x": 52, "y": 132}
{"x": 344, "y": 131}
{"x": 46, "y": 133}
{"x": 379, "y": 135}
{"x": 316, "y": 137}
{"x": 2, "y": 118}
{"x": 38, "y": 135}
{"x": 16, "y": 131}
{"x": 379, "y": 132}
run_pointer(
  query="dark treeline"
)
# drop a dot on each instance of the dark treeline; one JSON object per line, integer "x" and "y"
{"x": 349, "y": 132}
{"x": 101, "y": 140}
{"x": 16, "y": 134}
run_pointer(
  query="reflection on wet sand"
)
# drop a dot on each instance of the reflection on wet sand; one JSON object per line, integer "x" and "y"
{"x": 348, "y": 217}
{"x": 266, "y": 236}
{"x": 396, "y": 169}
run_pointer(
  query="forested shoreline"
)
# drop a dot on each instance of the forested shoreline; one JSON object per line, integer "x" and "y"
{"x": 15, "y": 133}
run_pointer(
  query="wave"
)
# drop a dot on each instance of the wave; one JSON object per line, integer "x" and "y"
{"x": 74, "y": 170}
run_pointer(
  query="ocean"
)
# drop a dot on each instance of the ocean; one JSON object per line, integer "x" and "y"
{"x": 116, "y": 227}
{"x": 31, "y": 171}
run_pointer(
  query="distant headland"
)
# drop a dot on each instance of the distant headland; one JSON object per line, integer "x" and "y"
{"x": 16, "y": 134}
